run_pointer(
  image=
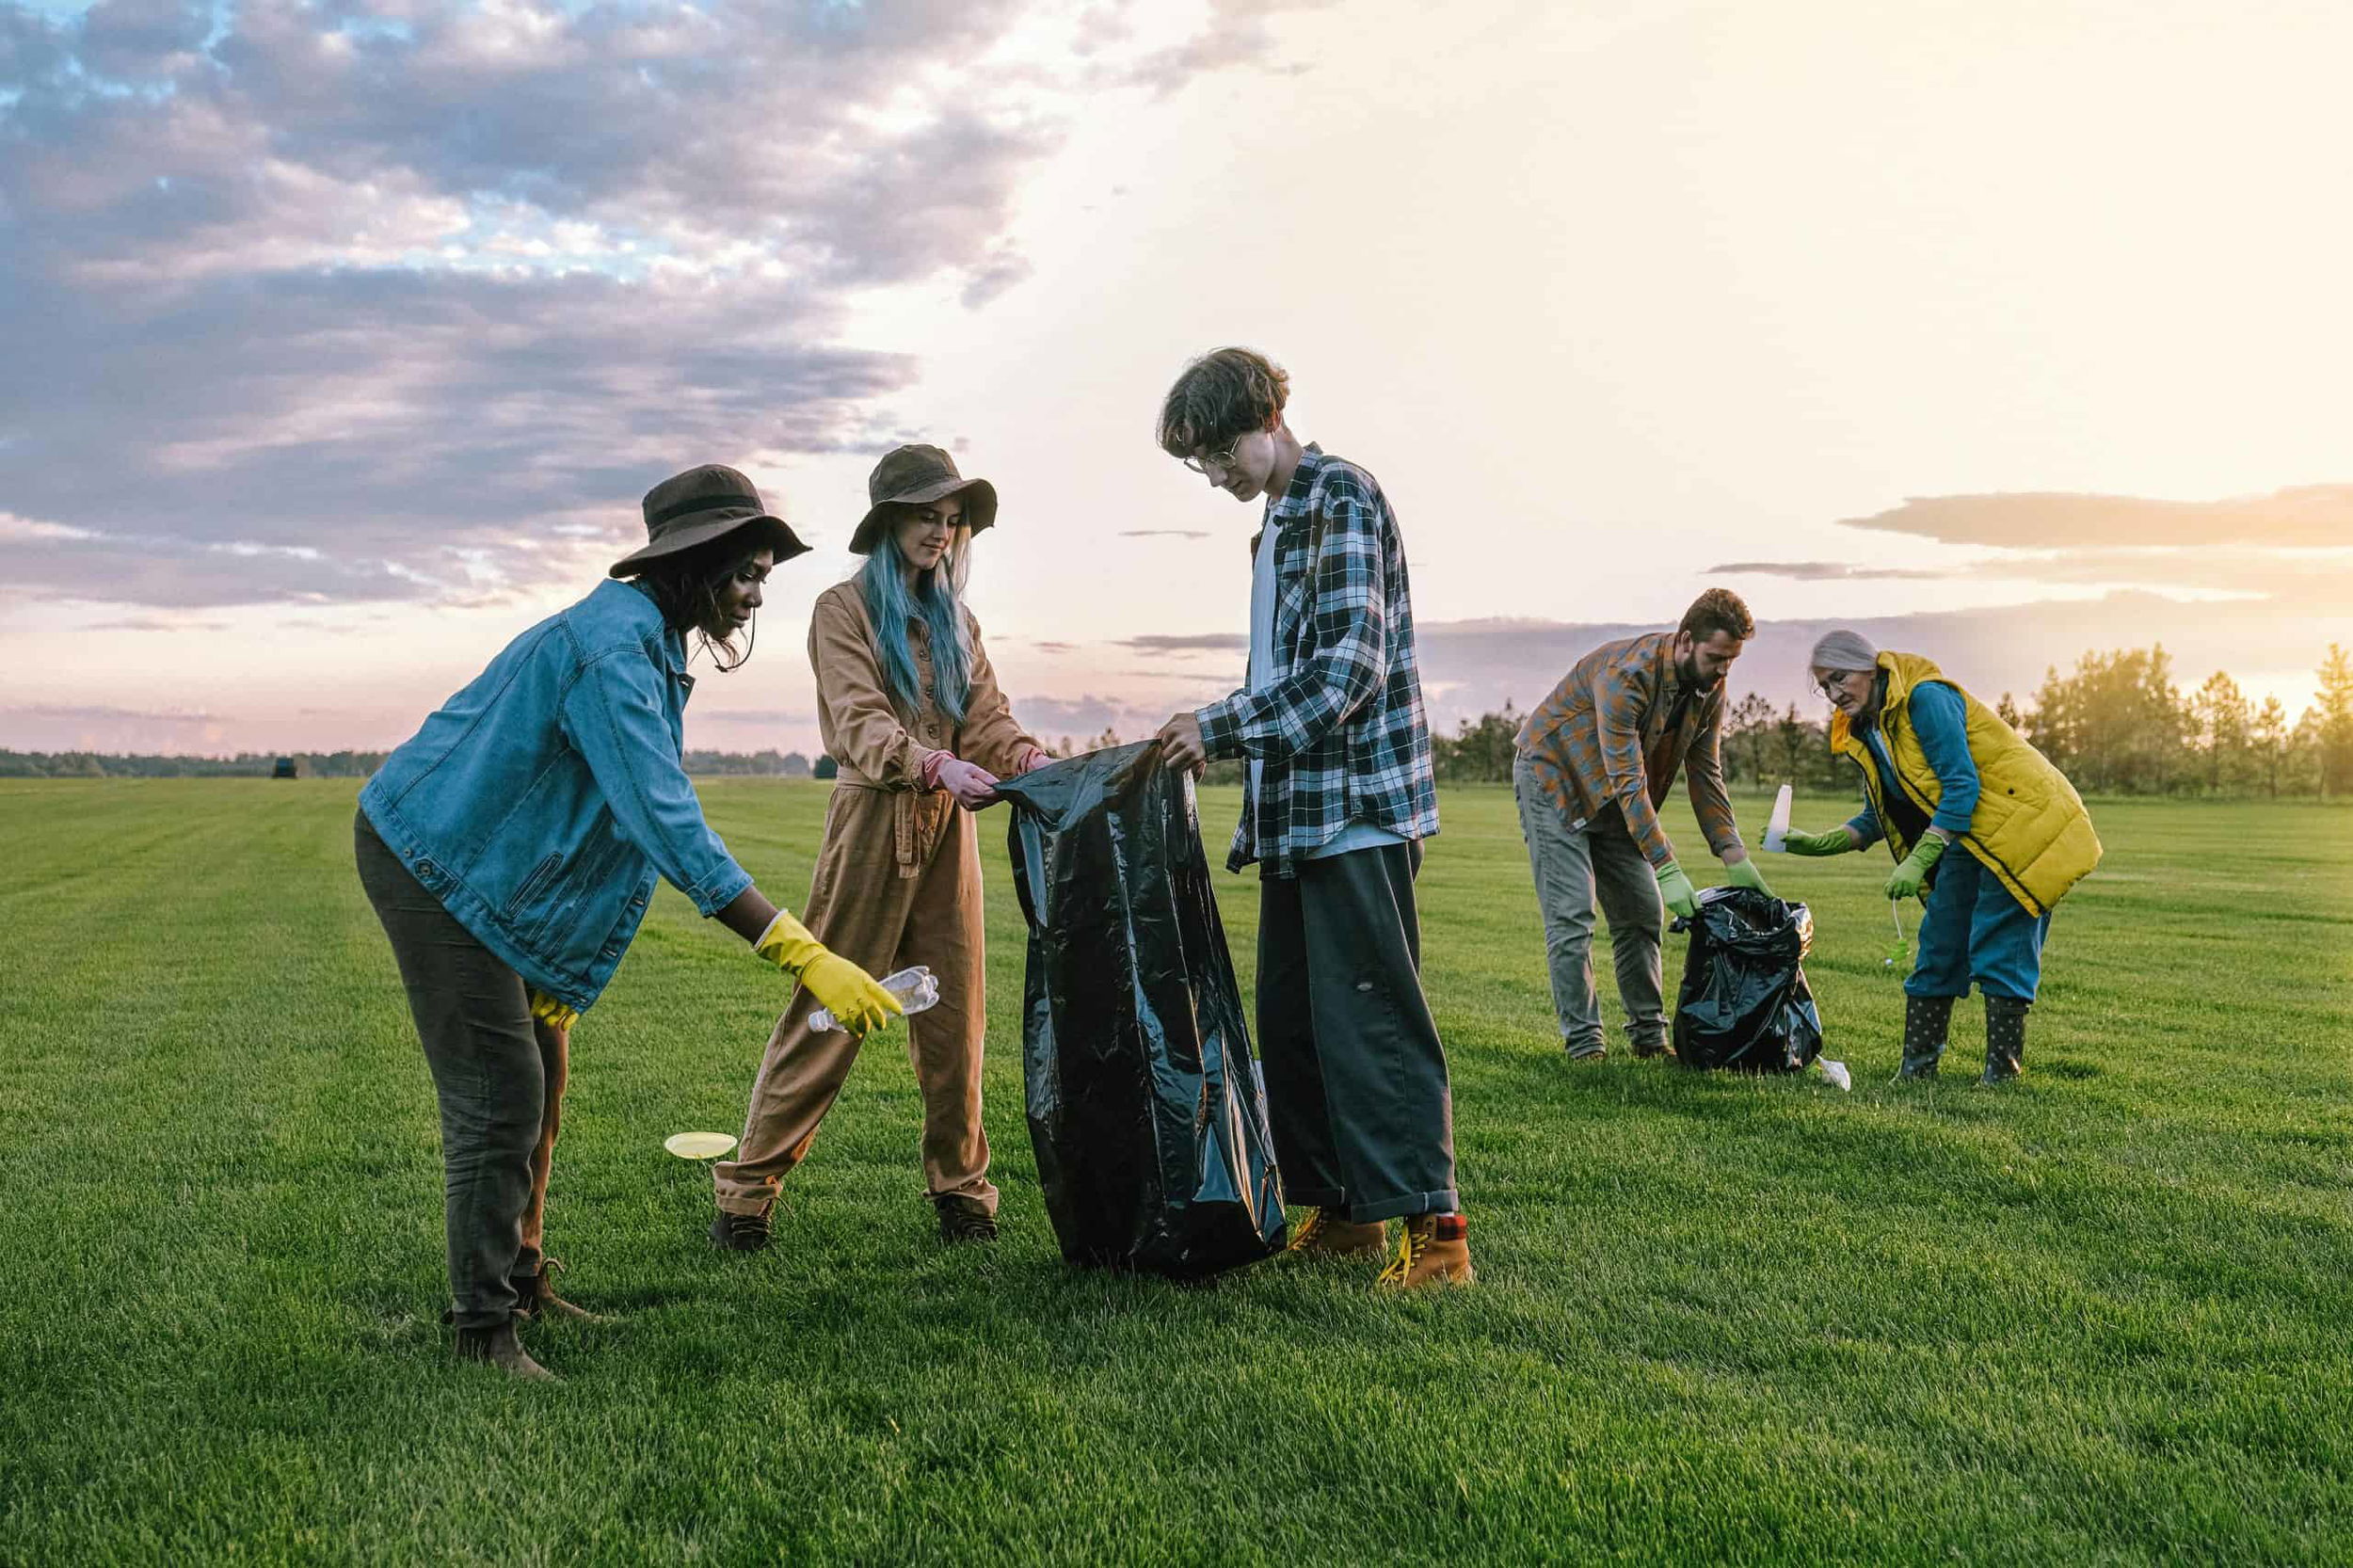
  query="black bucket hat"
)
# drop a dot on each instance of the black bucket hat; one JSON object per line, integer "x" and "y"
{"x": 702, "y": 504}
{"x": 912, "y": 476}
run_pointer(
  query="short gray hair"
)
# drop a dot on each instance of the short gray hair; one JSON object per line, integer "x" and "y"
{"x": 1843, "y": 650}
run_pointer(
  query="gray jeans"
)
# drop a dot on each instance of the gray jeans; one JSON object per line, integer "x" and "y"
{"x": 496, "y": 1077}
{"x": 1578, "y": 865}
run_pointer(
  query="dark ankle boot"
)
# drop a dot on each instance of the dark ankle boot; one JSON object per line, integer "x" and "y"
{"x": 1926, "y": 1020}
{"x": 535, "y": 1297}
{"x": 2004, "y": 1038}
{"x": 497, "y": 1346}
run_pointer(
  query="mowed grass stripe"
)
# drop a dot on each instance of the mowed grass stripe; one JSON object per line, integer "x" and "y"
{"x": 2097, "y": 1315}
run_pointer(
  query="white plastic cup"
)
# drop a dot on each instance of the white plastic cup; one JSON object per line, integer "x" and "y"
{"x": 915, "y": 987}
{"x": 1777, "y": 829}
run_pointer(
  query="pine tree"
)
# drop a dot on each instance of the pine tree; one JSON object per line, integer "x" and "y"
{"x": 2332, "y": 711}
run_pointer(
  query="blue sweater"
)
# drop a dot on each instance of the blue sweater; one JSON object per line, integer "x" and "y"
{"x": 1941, "y": 720}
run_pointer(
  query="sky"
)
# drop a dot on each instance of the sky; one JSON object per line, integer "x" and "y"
{"x": 343, "y": 339}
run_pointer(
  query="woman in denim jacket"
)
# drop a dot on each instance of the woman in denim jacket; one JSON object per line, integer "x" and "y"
{"x": 510, "y": 848}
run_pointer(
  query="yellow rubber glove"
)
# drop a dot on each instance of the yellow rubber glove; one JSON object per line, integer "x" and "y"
{"x": 551, "y": 1012}
{"x": 844, "y": 989}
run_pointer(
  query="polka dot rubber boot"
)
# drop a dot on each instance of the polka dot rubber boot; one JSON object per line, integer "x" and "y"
{"x": 1927, "y": 1019}
{"x": 2004, "y": 1038}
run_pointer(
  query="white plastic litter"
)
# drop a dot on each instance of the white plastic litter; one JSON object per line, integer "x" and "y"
{"x": 915, "y": 987}
{"x": 1777, "y": 830}
{"x": 1836, "y": 1072}
{"x": 699, "y": 1146}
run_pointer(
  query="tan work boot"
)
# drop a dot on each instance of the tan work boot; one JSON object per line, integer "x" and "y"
{"x": 1435, "y": 1250}
{"x": 539, "y": 1298}
{"x": 497, "y": 1346}
{"x": 1324, "y": 1234}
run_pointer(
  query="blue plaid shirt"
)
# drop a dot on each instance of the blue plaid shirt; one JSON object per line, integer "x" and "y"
{"x": 1339, "y": 726}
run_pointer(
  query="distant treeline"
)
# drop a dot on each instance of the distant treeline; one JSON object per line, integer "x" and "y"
{"x": 343, "y": 764}
{"x": 246, "y": 765}
{"x": 2117, "y": 725}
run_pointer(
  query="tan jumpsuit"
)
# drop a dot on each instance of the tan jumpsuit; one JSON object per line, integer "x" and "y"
{"x": 898, "y": 882}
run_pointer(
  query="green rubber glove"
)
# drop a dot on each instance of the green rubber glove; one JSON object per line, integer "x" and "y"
{"x": 844, "y": 989}
{"x": 1682, "y": 898}
{"x": 1907, "y": 879}
{"x": 1836, "y": 841}
{"x": 1743, "y": 873}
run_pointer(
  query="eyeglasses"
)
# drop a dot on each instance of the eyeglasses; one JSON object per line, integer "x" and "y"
{"x": 1831, "y": 688}
{"x": 1222, "y": 461}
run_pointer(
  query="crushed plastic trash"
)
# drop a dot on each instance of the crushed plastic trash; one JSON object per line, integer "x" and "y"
{"x": 1836, "y": 1072}
{"x": 1898, "y": 956}
{"x": 1146, "y": 1105}
{"x": 1745, "y": 1003}
{"x": 915, "y": 989}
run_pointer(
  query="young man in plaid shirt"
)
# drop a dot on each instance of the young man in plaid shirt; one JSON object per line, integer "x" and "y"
{"x": 1341, "y": 793}
{"x": 1595, "y": 760}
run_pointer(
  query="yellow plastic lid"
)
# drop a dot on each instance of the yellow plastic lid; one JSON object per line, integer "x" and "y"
{"x": 699, "y": 1146}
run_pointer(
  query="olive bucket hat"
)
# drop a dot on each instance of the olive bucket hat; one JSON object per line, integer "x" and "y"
{"x": 911, "y": 476}
{"x": 702, "y": 504}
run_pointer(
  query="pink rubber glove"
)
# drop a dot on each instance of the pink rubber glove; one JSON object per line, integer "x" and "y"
{"x": 972, "y": 786}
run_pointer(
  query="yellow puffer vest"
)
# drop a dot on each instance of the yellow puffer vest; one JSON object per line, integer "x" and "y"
{"x": 2031, "y": 828}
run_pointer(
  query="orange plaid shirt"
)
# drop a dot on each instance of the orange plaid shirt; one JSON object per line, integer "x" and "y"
{"x": 1613, "y": 733}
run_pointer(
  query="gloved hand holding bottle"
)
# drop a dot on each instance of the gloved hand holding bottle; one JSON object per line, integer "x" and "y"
{"x": 1682, "y": 898}
{"x": 1908, "y": 878}
{"x": 1838, "y": 840}
{"x": 848, "y": 993}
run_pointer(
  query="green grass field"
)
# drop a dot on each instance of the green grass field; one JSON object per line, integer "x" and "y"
{"x": 2101, "y": 1315}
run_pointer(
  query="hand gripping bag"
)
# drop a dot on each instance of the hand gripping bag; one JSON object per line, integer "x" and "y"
{"x": 1144, "y": 1102}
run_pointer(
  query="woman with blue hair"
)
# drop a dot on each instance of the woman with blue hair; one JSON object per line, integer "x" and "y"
{"x": 909, "y": 707}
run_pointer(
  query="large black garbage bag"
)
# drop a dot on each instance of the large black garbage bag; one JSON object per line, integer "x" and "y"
{"x": 1745, "y": 1003}
{"x": 1146, "y": 1105}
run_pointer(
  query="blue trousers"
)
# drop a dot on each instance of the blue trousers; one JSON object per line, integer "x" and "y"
{"x": 1975, "y": 930}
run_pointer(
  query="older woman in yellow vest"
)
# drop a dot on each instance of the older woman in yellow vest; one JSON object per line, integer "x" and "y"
{"x": 1940, "y": 768}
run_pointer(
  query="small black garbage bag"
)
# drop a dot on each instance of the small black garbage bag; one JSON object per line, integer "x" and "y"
{"x": 1146, "y": 1105}
{"x": 1745, "y": 1003}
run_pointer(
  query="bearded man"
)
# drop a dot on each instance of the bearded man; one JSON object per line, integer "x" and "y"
{"x": 1595, "y": 761}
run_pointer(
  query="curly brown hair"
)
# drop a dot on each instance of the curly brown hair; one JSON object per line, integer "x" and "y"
{"x": 1718, "y": 610}
{"x": 1221, "y": 397}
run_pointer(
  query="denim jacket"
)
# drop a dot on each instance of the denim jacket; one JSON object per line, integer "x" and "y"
{"x": 538, "y": 803}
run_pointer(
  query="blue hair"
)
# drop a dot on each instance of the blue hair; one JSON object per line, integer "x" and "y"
{"x": 890, "y": 605}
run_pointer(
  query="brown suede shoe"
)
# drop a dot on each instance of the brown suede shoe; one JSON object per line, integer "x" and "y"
{"x": 1435, "y": 1251}
{"x": 538, "y": 1297}
{"x": 497, "y": 1346}
{"x": 1323, "y": 1234}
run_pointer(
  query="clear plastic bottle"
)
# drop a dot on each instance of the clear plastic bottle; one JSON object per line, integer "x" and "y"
{"x": 915, "y": 989}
